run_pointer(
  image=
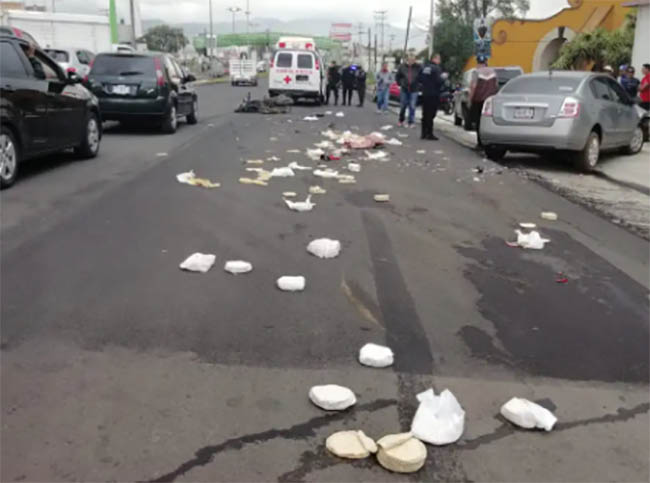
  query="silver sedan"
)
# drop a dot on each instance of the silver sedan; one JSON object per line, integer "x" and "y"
{"x": 580, "y": 113}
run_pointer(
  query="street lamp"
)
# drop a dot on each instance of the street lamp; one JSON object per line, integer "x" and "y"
{"x": 233, "y": 10}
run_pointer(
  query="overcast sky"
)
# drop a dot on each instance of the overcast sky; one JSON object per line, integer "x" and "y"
{"x": 176, "y": 11}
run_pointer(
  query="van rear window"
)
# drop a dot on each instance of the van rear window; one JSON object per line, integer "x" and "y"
{"x": 305, "y": 61}
{"x": 124, "y": 65}
{"x": 284, "y": 60}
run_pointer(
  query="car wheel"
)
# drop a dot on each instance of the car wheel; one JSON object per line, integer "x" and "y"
{"x": 170, "y": 122}
{"x": 636, "y": 143}
{"x": 193, "y": 117}
{"x": 9, "y": 158}
{"x": 458, "y": 121}
{"x": 587, "y": 159}
{"x": 89, "y": 147}
{"x": 495, "y": 153}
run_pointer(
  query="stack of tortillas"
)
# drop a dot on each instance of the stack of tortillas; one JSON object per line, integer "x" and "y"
{"x": 401, "y": 453}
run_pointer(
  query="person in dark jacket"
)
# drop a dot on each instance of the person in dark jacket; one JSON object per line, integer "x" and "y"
{"x": 407, "y": 78}
{"x": 360, "y": 85}
{"x": 431, "y": 81}
{"x": 630, "y": 83}
{"x": 333, "y": 81}
{"x": 348, "y": 78}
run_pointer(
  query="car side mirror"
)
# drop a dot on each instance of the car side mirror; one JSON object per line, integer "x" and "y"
{"x": 73, "y": 78}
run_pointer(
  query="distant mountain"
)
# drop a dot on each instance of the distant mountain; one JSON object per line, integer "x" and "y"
{"x": 306, "y": 26}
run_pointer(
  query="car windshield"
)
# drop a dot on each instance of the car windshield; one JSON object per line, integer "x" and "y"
{"x": 123, "y": 65}
{"x": 542, "y": 85}
{"x": 58, "y": 55}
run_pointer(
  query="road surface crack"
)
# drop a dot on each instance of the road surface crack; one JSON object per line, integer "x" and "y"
{"x": 205, "y": 455}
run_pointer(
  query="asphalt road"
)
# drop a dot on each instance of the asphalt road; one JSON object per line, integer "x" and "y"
{"x": 117, "y": 366}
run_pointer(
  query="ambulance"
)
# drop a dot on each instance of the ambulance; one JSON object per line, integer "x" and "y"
{"x": 296, "y": 69}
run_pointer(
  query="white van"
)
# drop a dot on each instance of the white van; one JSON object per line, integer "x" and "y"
{"x": 296, "y": 69}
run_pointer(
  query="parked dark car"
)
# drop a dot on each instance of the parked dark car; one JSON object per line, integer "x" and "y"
{"x": 41, "y": 109}
{"x": 461, "y": 97}
{"x": 143, "y": 86}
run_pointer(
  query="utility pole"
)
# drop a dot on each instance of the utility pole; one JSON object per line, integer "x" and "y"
{"x": 408, "y": 29}
{"x": 132, "y": 8}
{"x": 209, "y": 44}
{"x": 248, "y": 16}
{"x": 374, "y": 66}
{"x": 380, "y": 17}
{"x": 360, "y": 43}
{"x": 431, "y": 23}
{"x": 391, "y": 37}
{"x": 369, "y": 49}
{"x": 233, "y": 10}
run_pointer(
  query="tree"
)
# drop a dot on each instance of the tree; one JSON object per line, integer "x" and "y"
{"x": 468, "y": 10}
{"x": 164, "y": 38}
{"x": 598, "y": 48}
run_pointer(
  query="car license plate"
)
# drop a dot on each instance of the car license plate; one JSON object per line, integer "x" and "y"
{"x": 121, "y": 89}
{"x": 302, "y": 78}
{"x": 524, "y": 113}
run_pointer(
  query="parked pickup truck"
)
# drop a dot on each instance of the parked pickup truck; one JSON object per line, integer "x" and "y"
{"x": 243, "y": 72}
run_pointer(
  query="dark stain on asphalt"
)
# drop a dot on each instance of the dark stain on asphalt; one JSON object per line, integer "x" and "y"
{"x": 507, "y": 428}
{"x": 404, "y": 332}
{"x": 320, "y": 459}
{"x": 555, "y": 330}
{"x": 300, "y": 431}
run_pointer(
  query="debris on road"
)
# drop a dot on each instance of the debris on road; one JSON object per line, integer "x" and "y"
{"x": 238, "y": 266}
{"x": 379, "y": 155}
{"x": 394, "y": 142}
{"x": 161, "y": 155}
{"x": 294, "y": 165}
{"x": 191, "y": 179}
{"x": 549, "y": 215}
{"x": 310, "y": 118}
{"x": 439, "y": 419}
{"x": 332, "y": 397}
{"x": 402, "y": 135}
{"x": 387, "y": 127}
{"x": 528, "y": 226}
{"x": 527, "y": 414}
{"x": 291, "y": 283}
{"x": 401, "y": 453}
{"x": 255, "y": 161}
{"x": 301, "y": 206}
{"x": 478, "y": 169}
{"x": 324, "y": 248}
{"x": 328, "y": 113}
{"x": 329, "y": 134}
{"x": 561, "y": 278}
{"x": 317, "y": 190}
{"x": 531, "y": 240}
{"x": 346, "y": 179}
{"x": 382, "y": 198}
{"x": 198, "y": 262}
{"x": 275, "y": 105}
{"x": 324, "y": 145}
{"x": 350, "y": 444}
{"x": 289, "y": 194}
{"x": 340, "y": 114}
{"x": 293, "y": 151}
{"x": 374, "y": 355}
{"x": 258, "y": 182}
{"x": 326, "y": 173}
{"x": 273, "y": 158}
{"x": 315, "y": 154}
{"x": 421, "y": 151}
{"x": 476, "y": 179}
{"x": 354, "y": 167}
{"x": 284, "y": 172}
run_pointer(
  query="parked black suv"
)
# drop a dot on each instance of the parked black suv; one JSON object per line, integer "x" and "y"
{"x": 41, "y": 109}
{"x": 149, "y": 86}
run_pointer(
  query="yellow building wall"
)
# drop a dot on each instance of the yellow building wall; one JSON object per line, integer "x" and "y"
{"x": 518, "y": 42}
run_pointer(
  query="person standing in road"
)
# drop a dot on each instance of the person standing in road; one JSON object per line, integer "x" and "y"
{"x": 629, "y": 82}
{"x": 407, "y": 78}
{"x": 644, "y": 88}
{"x": 484, "y": 84}
{"x": 430, "y": 79}
{"x": 360, "y": 84}
{"x": 347, "y": 79}
{"x": 333, "y": 81}
{"x": 383, "y": 79}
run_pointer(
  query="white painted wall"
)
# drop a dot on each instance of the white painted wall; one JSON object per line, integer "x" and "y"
{"x": 641, "y": 52}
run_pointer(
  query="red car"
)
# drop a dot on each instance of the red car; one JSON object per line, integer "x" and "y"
{"x": 393, "y": 91}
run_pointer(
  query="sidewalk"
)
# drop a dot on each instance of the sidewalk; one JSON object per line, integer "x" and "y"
{"x": 619, "y": 188}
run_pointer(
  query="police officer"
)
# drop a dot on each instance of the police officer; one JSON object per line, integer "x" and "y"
{"x": 431, "y": 81}
{"x": 348, "y": 78}
{"x": 361, "y": 85}
{"x": 333, "y": 81}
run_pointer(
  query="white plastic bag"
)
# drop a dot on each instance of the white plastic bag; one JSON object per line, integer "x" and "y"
{"x": 317, "y": 190}
{"x": 324, "y": 248}
{"x": 185, "y": 177}
{"x": 324, "y": 145}
{"x": 327, "y": 173}
{"x": 237, "y": 266}
{"x": 354, "y": 167}
{"x": 340, "y": 114}
{"x": 295, "y": 166}
{"x": 198, "y": 262}
{"x": 315, "y": 154}
{"x": 375, "y": 355}
{"x": 531, "y": 240}
{"x": 386, "y": 127}
{"x": 310, "y": 118}
{"x": 283, "y": 172}
{"x": 350, "y": 444}
{"x": 332, "y": 397}
{"x": 549, "y": 215}
{"x": 439, "y": 419}
{"x": 301, "y": 206}
{"x": 528, "y": 414}
{"x": 376, "y": 155}
{"x": 382, "y": 198}
{"x": 394, "y": 142}
{"x": 291, "y": 283}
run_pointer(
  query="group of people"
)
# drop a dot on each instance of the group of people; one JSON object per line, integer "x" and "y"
{"x": 635, "y": 87}
{"x": 351, "y": 78}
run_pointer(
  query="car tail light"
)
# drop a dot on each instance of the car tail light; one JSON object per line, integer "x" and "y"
{"x": 317, "y": 64}
{"x": 90, "y": 66}
{"x": 570, "y": 108}
{"x": 71, "y": 70}
{"x": 17, "y": 32}
{"x": 160, "y": 78}
{"x": 488, "y": 107}
{"x": 282, "y": 45}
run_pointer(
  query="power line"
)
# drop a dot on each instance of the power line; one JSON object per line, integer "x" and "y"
{"x": 380, "y": 20}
